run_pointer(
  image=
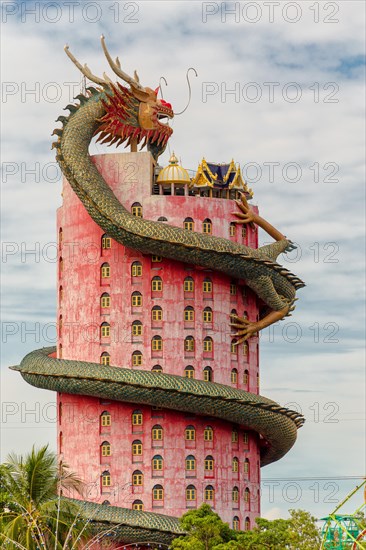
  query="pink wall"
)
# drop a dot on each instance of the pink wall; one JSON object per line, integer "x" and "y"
{"x": 130, "y": 175}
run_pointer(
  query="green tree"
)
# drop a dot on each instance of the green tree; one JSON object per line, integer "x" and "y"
{"x": 205, "y": 530}
{"x": 304, "y": 534}
{"x": 34, "y": 515}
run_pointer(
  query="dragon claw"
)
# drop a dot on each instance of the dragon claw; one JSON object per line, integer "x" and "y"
{"x": 246, "y": 328}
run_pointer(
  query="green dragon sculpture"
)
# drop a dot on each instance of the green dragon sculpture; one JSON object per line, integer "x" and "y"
{"x": 130, "y": 115}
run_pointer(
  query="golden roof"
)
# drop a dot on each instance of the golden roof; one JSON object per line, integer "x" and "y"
{"x": 173, "y": 173}
{"x": 222, "y": 176}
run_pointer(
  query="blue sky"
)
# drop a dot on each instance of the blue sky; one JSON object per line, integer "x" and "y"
{"x": 283, "y": 98}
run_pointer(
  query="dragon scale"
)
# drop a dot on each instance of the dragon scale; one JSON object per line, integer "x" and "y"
{"x": 273, "y": 284}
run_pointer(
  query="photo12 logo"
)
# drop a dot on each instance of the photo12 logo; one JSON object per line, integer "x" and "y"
{"x": 70, "y": 12}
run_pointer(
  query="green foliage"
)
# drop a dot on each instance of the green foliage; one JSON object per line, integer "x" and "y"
{"x": 206, "y": 531}
{"x": 304, "y": 534}
{"x": 33, "y": 514}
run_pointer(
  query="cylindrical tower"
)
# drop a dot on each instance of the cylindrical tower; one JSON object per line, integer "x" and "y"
{"x": 120, "y": 307}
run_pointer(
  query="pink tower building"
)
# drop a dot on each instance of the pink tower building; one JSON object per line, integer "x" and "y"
{"x": 119, "y": 307}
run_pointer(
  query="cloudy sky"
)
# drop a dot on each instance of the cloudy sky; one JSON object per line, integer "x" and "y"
{"x": 280, "y": 89}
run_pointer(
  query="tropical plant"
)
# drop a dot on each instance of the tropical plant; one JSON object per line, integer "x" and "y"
{"x": 34, "y": 515}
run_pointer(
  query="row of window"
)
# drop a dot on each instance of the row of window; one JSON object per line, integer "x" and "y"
{"x": 191, "y": 491}
{"x": 189, "y": 371}
{"x": 190, "y": 462}
{"x": 157, "y": 431}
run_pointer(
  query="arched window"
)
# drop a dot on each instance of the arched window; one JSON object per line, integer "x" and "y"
{"x": 245, "y": 315}
{"x": 190, "y": 463}
{"x": 136, "y": 358}
{"x": 137, "y": 505}
{"x": 246, "y": 467}
{"x": 234, "y": 436}
{"x": 207, "y": 226}
{"x": 136, "y": 328}
{"x": 208, "y": 434}
{"x": 137, "y": 418}
{"x": 136, "y": 269}
{"x": 136, "y": 448}
{"x": 105, "y": 448}
{"x": 158, "y": 493}
{"x": 189, "y": 371}
{"x": 207, "y": 315}
{"x": 137, "y": 478}
{"x": 106, "y": 241}
{"x": 234, "y": 376}
{"x": 105, "y": 330}
{"x": 189, "y": 344}
{"x": 209, "y": 492}
{"x": 157, "y": 343}
{"x": 236, "y": 523}
{"x": 60, "y": 236}
{"x": 190, "y": 433}
{"x": 188, "y": 285}
{"x": 247, "y": 524}
{"x": 157, "y": 369}
{"x": 191, "y": 493}
{"x": 189, "y": 314}
{"x": 157, "y": 463}
{"x": 207, "y": 285}
{"x": 232, "y": 229}
{"x": 246, "y": 378}
{"x": 246, "y": 351}
{"x": 157, "y": 433}
{"x": 105, "y": 271}
{"x": 60, "y": 294}
{"x": 247, "y": 495}
{"x": 60, "y": 324}
{"x": 235, "y": 465}
{"x": 234, "y": 347}
{"x": 105, "y": 419}
{"x": 105, "y": 358}
{"x": 105, "y": 300}
{"x": 209, "y": 463}
{"x": 188, "y": 224}
{"x": 233, "y": 288}
{"x": 61, "y": 265}
{"x": 208, "y": 344}
{"x": 243, "y": 231}
{"x": 156, "y": 284}
{"x": 106, "y": 479}
{"x": 106, "y": 503}
{"x": 207, "y": 374}
{"x": 136, "y": 210}
{"x": 136, "y": 299}
{"x": 235, "y": 494}
{"x": 162, "y": 219}
{"x": 233, "y": 315}
{"x": 156, "y": 313}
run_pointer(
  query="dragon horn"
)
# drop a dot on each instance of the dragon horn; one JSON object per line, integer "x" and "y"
{"x": 84, "y": 70}
{"x": 116, "y": 68}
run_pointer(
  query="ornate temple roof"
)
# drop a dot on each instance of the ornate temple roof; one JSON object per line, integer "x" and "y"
{"x": 173, "y": 173}
{"x": 220, "y": 176}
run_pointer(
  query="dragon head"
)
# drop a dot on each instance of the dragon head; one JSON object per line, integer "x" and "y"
{"x": 132, "y": 115}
